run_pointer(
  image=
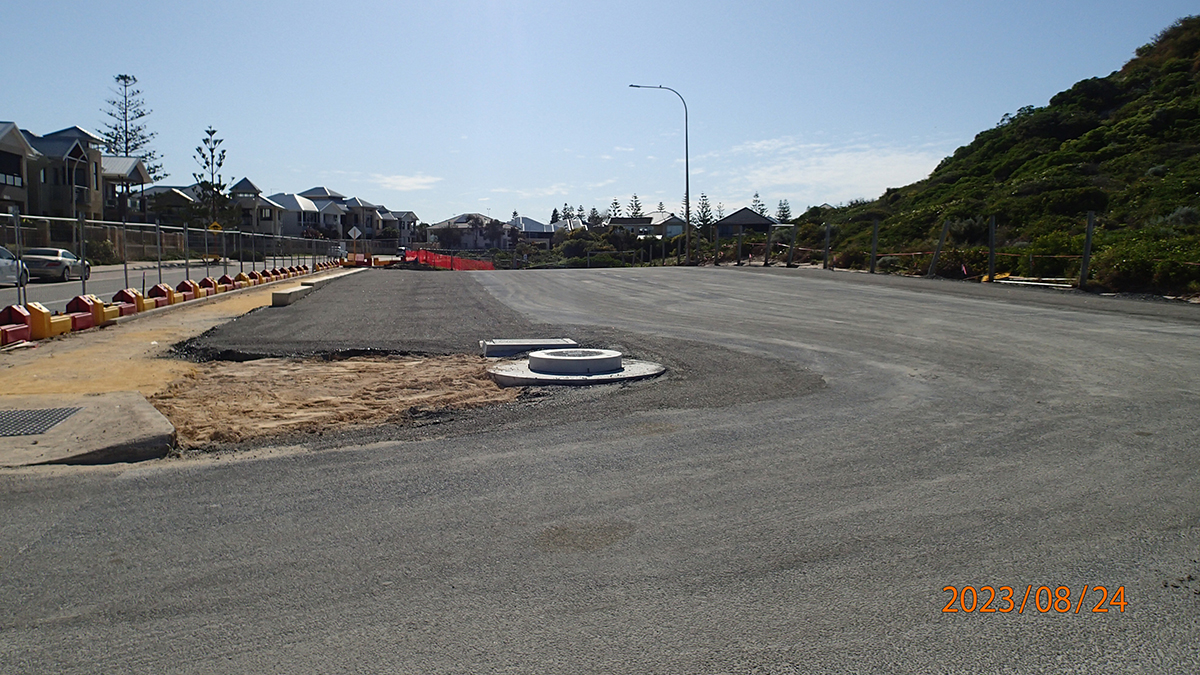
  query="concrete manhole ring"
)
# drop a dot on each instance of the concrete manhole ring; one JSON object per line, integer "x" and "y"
{"x": 574, "y": 361}
{"x": 572, "y": 367}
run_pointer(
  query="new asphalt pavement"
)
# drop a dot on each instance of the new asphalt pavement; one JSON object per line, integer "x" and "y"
{"x": 827, "y": 455}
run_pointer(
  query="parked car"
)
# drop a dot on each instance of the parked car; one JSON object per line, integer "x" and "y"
{"x": 58, "y": 264}
{"x": 12, "y": 271}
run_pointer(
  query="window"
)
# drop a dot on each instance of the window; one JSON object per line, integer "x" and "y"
{"x": 265, "y": 214}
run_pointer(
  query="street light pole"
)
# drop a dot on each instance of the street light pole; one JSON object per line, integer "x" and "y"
{"x": 687, "y": 192}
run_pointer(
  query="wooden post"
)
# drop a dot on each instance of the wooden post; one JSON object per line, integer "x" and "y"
{"x": 716, "y": 245}
{"x": 938, "y": 251}
{"x": 792, "y": 249}
{"x": 741, "y": 231}
{"x": 991, "y": 248}
{"x": 874, "y": 243}
{"x": 767, "y": 249}
{"x": 1087, "y": 250}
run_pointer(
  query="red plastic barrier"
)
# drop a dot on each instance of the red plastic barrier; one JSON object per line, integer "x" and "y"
{"x": 446, "y": 262}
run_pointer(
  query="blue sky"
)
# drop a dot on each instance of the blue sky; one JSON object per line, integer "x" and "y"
{"x": 494, "y": 106}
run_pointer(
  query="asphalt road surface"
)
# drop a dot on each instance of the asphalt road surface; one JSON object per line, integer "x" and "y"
{"x": 828, "y": 453}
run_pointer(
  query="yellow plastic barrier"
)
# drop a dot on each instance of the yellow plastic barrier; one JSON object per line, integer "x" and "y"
{"x": 43, "y": 324}
{"x": 103, "y": 313}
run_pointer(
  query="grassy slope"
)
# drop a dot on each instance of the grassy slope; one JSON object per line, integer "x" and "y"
{"x": 1124, "y": 146}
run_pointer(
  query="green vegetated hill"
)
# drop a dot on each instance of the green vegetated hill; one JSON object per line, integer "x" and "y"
{"x": 1124, "y": 146}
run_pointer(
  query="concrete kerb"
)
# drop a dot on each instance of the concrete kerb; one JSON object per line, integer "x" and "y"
{"x": 108, "y": 428}
{"x": 287, "y": 296}
{"x": 212, "y": 298}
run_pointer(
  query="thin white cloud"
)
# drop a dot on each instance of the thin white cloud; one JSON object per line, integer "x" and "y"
{"x": 406, "y": 183}
{"x": 621, "y": 149}
{"x": 594, "y": 186}
{"x": 549, "y": 191}
{"x": 786, "y": 168}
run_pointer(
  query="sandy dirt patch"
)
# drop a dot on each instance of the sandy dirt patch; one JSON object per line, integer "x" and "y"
{"x": 226, "y": 402}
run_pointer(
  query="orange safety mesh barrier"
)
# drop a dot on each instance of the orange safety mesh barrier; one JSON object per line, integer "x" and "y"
{"x": 446, "y": 262}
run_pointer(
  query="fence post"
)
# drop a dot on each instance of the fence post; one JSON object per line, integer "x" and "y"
{"x": 992, "y": 248}
{"x": 741, "y": 233}
{"x": 938, "y": 251}
{"x": 1087, "y": 250}
{"x": 158, "y": 233}
{"x": 22, "y": 292}
{"x": 825, "y": 258}
{"x": 792, "y": 248}
{"x": 83, "y": 269}
{"x": 187, "y": 252}
{"x": 125, "y": 243}
{"x": 874, "y": 243}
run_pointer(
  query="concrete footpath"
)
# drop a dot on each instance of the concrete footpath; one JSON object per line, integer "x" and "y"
{"x": 82, "y": 397}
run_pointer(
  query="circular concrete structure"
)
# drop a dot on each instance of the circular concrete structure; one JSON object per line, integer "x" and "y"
{"x": 574, "y": 361}
{"x": 572, "y": 367}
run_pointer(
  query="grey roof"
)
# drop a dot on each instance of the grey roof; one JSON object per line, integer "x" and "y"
{"x": 526, "y": 224}
{"x": 358, "y": 203}
{"x": 290, "y": 202}
{"x": 77, "y": 133}
{"x": 321, "y": 193}
{"x": 58, "y": 148}
{"x": 245, "y": 185}
{"x": 326, "y": 206}
{"x": 747, "y": 216}
{"x": 384, "y": 214}
{"x": 164, "y": 189}
{"x": 9, "y": 130}
{"x": 660, "y": 217}
{"x": 125, "y": 169}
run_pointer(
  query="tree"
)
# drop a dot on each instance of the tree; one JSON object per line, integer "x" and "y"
{"x": 758, "y": 206}
{"x": 515, "y": 214}
{"x": 579, "y": 212}
{"x": 594, "y": 217}
{"x": 125, "y": 135}
{"x": 635, "y": 207}
{"x": 448, "y": 236}
{"x": 568, "y": 212}
{"x": 720, "y": 210}
{"x": 554, "y": 216}
{"x": 704, "y": 214}
{"x": 662, "y": 207}
{"x": 784, "y": 213}
{"x": 614, "y": 209}
{"x": 209, "y": 155}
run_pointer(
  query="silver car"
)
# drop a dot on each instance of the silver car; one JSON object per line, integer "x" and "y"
{"x": 12, "y": 271}
{"x": 55, "y": 263}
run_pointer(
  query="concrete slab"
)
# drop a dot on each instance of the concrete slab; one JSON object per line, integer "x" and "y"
{"x": 287, "y": 296}
{"x": 109, "y": 428}
{"x": 510, "y": 346}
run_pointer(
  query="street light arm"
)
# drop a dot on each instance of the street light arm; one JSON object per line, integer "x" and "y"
{"x": 687, "y": 190}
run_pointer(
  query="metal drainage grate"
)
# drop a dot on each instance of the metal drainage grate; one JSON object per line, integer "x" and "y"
{"x": 32, "y": 422}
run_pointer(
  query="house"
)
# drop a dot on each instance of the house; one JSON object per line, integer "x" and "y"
{"x": 532, "y": 230}
{"x": 16, "y": 158}
{"x": 743, "y": 219}
{"x": 475, "y": 231}
{"x": 331, "y": 209}
{"x": 117, "y": 175}
{"x": 66, "y": 174}
{"x": 664, "y": 223}
{"x": 300, "y": 214}
{"x": 363, "y": 215}
{"x": 259, "y": 214}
